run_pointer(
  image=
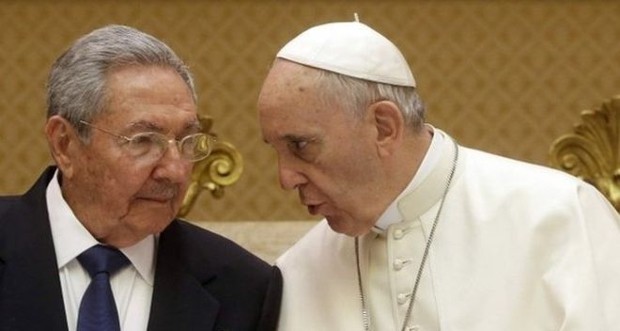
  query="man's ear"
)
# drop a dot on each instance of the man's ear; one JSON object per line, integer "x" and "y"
{"x": 63, "y": 143}
{"x": 390, "y": 125}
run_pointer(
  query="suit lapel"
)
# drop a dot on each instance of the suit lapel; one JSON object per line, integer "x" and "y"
{"x": 30, "y": 293}
{"x": 179, "y": 300}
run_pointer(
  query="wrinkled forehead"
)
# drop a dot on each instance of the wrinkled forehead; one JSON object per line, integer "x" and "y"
{"x": 287, "y": 74}
{"x": 152, "y": 95}
{"x": 289, "y": 84}
{"x": 288, "y": 99}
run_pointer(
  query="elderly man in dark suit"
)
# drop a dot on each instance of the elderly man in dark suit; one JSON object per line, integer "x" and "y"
{"x": 94, "y": 244}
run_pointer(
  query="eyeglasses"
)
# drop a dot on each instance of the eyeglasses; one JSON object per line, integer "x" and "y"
{"x": 153, "y": 145}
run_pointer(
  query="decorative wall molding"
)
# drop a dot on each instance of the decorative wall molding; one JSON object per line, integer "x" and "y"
{"x": 592, "y": 151}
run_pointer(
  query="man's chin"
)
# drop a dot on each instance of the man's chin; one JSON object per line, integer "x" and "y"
{"x": 155, "y": 215}
{"x": 348, "y": 228}
{"x": 337, "y": 224}
{"x": 156, "y": 226}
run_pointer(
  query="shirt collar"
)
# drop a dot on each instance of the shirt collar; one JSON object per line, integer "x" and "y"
{"x": 391, "y": 215}
{"x": 71, "y": 237}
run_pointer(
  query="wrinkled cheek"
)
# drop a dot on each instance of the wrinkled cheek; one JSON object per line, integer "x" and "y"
{"x": 182, "y": 192}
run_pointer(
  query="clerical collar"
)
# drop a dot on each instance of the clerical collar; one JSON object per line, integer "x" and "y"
{"x": 391, "y": 215}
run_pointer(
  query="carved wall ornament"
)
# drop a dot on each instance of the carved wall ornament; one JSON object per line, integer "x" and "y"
{"x": 592, "y": 151}
{"x": 221, "y": 168}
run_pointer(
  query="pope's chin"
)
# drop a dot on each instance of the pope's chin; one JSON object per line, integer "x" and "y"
{"x": 314, "y": 210}
{"x": 337, "y": 224}
{"x": 345, "y": 226}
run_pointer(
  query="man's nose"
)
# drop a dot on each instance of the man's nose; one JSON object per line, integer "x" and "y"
{"x": 290, "y": 178}
{"x": 174, "y": 166}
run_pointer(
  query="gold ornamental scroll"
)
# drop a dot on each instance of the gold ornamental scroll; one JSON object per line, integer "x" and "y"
{"x": 591, "y": 151}
{"x": 221, "y": 168}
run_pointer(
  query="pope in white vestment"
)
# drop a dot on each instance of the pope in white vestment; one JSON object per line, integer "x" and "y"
{"x": 517, "y": 247}
{"x": 421, "y": 233}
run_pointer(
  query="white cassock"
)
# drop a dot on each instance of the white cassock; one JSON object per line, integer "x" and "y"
{"x": 517, "y": 247}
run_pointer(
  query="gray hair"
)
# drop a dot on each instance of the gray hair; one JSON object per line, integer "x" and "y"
{"x": 357, "y": 94}
{"x": 76, "y": 83}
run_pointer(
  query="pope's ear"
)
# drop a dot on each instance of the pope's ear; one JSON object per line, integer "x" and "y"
{"x": 389, "y": 123}
{"x": 62, "y": 140}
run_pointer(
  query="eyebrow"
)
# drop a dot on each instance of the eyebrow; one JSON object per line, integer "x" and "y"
{"x": 192, "y": 126}
{"x": 145, "y": 125}
{"x": 294, "y": 137}
{"x": 286, "y": 138}
{"x": 308, "y": 137}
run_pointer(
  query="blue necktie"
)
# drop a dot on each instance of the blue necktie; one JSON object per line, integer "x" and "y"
{"x": 97, "y": 309}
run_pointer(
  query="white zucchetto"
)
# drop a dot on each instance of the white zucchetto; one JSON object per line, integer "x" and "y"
{"x": 351, "y": 49}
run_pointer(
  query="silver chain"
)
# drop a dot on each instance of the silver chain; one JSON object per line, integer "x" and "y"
{"x": 365, "y": 316}
{"x": 365, "y": 313}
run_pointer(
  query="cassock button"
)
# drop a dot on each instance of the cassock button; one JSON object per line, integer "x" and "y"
{"x": 400, "y": 263}
{"x": 402, "y": 298}
{"x": 398, "y": 233}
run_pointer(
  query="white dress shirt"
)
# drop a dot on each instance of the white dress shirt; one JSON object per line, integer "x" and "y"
{"x": 132, "y": 286}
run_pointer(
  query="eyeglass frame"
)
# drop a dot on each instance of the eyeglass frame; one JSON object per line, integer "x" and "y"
{"x": 210, "y": 139}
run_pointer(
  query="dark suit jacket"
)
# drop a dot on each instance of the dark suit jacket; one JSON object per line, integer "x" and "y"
{"x": 202, "y": 280}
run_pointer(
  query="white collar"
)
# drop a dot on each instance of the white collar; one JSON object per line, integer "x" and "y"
{"x": 71, "y": 238}
{"x": 391, "y": 215}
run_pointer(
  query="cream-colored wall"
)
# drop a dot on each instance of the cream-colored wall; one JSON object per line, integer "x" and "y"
{"x": 267, "y": 239}
{"x": 504, "y": 76}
